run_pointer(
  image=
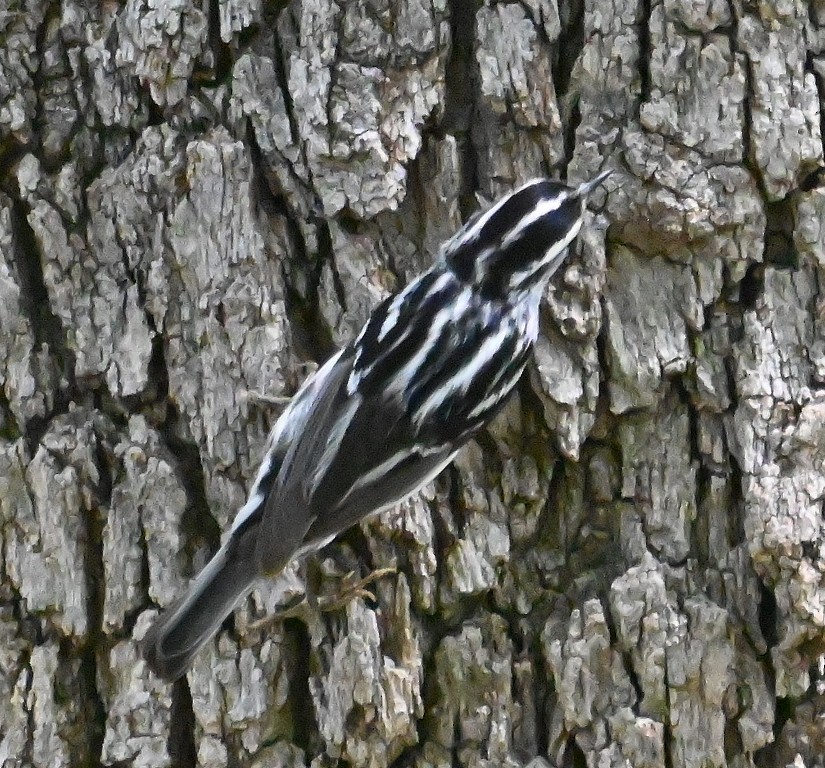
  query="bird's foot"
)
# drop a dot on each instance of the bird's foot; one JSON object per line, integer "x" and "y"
{"x": 351, "y": 589}
{"x": 261, "y": 398}
{"x": 294, "y": 610}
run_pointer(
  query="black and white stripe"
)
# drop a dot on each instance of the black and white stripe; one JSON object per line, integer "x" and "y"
{"x": 386, "y": 414}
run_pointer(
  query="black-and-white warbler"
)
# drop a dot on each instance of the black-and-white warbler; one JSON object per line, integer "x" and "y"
{"x": 386, "y": 414}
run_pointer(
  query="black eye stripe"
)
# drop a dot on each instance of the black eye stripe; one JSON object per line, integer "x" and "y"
{"x": 466, "y": 250}
{"x": 518, "y": 207}
{"x": 534, "y": 240}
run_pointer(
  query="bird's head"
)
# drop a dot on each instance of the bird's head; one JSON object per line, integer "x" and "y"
{"x": 518, "y": 243}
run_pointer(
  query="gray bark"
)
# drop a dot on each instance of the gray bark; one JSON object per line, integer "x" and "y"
{"x": 198, "y": 198}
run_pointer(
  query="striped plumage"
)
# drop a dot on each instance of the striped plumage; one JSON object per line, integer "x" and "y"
{"x": 468, "y": 353}
{"x": 386, "y": 414}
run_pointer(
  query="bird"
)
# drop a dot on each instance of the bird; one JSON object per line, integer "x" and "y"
{"x": 383, "y": 416}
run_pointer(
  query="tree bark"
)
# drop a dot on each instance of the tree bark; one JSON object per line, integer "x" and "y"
{"x": 626, "y": 569}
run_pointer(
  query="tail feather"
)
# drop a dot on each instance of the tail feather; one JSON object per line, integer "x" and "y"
{"x": 190, "y": 622}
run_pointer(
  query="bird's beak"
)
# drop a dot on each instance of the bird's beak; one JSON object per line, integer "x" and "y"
{"x": 585, "y": 189}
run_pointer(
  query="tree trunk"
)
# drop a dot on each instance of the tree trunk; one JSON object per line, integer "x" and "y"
{"x": 627, "y": 569}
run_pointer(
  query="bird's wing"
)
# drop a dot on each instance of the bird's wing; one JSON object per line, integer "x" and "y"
{"x": 357, "y": 453}
{"x": 379, "y": 461}
{"x": 286, "y": 516}
{"x": 289, "y": 426}
{"x": 393, "y": 410}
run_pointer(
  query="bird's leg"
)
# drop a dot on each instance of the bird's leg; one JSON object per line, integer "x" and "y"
{"x": 296, "y": 610}
{"x": 351, "y": 587}
{"x": 346, "y": 587}
{"x": 262, "y": 398}
{"x": 295, "y": 599}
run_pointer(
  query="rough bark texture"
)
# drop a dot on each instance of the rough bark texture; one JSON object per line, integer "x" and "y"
{"x": 197, "y": 198}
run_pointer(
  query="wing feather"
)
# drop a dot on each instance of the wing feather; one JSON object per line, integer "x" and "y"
{"x": 287, "y": 514}
{"x": 390, "y": 413}
{"x": 356, "y": 454}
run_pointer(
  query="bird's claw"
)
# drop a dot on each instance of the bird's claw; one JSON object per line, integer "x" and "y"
{"x": 327, "y": 604}
{"x": 353, "y": 590}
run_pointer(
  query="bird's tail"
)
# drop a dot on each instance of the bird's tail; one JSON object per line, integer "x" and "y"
{"x": 189, "y": 623}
